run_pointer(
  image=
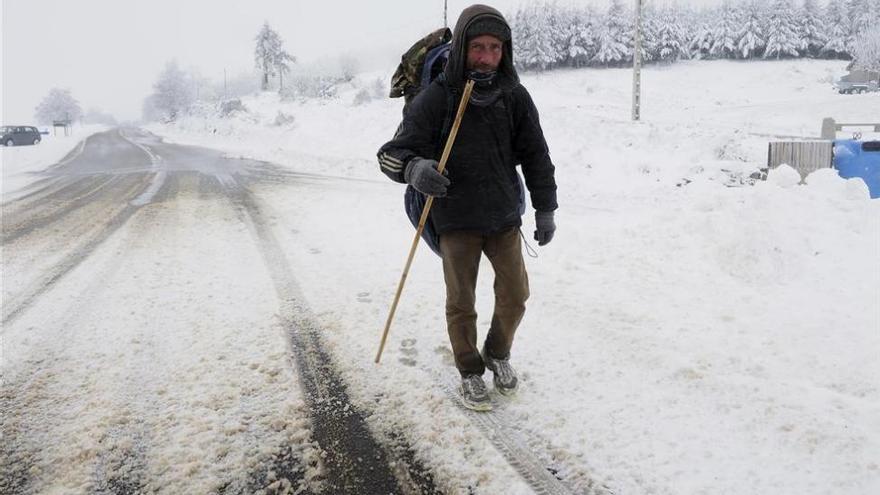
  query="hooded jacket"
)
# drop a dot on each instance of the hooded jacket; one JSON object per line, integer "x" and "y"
{"x": 483, "y": 194}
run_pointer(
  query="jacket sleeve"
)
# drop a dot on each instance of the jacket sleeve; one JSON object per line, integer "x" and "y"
{"x": 416, "y": 135}
{"x": 531, "y": 151}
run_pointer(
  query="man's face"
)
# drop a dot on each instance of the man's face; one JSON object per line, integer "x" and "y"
{"x": 484, "y": 53}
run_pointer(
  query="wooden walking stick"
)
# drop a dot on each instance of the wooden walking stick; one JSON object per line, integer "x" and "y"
{"x": 468, "y": 87}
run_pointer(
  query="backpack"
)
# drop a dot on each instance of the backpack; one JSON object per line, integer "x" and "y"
{"x": 419, "y": 66}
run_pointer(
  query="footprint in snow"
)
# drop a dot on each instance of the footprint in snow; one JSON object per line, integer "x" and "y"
{"x": 409, "y": 351}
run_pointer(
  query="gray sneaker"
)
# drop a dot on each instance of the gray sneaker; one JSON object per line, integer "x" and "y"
{"x": 474, "y": 394}
{"x": 505, "y": 376}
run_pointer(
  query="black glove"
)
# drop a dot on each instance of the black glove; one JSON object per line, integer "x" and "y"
{"x": 545, "y": 227}
{"x": 422, "y": 174}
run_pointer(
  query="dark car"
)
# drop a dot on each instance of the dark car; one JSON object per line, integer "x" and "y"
{"x": 11, "y": 135}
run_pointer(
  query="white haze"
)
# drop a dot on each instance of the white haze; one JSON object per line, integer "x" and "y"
{"x": 109, "y": 52}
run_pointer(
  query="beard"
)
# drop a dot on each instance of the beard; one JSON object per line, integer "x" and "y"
{"x": 483, "y": 67}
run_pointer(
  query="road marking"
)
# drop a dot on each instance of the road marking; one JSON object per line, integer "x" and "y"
{"x": 154, "y": 158}
{"x": 146, "y": 197}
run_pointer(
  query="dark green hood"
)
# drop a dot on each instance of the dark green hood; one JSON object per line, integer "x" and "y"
{"x": 455, "y": 67}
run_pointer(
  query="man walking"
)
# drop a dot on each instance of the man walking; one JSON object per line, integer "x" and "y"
{"x": 477, "y": 208}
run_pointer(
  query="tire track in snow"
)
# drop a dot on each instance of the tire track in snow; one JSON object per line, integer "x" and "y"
{"x": 12, "y": 309}
{"x": 518, "y": 450}
{"x": 354, "y": 461}
{"x": 121, "y": 463}
{"x": 117, "y": 203}
{"x": 52, "y": 208}
{"x": 18, "y": 448}
{"x": 34, "y": 402}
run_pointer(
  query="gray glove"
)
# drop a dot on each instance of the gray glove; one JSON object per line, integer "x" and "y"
{"x": 422, "y": 174}
{"x": 545, "y": 227}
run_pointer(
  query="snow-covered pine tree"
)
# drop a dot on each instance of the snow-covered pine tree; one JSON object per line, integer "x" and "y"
{"x": 688, "y": 21}
{"x": 670, "y": 42}
{"x": 811, "y": 29}
{"x": 701, "y": 40}
{"x": 519, "y": 25}
{"x": 782, "y": 32}
{"x": 558, "y": 20}
{"x": 836, "y": 29}
{"x": 750, "y": 39}
{"x": 269, "y": 55}
{"x": 650, "y": 34}
{"x": 614, "y": 44}
{"x": 59, "y": 104}
{"x": 533, "y": 42}
{"x": 725, "y": 32}
{"x": 581, "y": 46}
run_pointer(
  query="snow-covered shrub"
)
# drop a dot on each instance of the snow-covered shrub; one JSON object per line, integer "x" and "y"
{"x": 305, "y": 86}
{"x": 362, "y": 96}
{"x": 283, "y": 119}
{"x": 229, "y": 107}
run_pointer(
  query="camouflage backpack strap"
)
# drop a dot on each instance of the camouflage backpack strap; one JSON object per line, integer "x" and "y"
{"x": 407, "y": 77}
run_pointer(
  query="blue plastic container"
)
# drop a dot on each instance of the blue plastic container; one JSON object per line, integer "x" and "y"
{"x": 853, "y": 158}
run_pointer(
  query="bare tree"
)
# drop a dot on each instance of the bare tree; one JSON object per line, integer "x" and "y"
{"x": 173, "y": 92}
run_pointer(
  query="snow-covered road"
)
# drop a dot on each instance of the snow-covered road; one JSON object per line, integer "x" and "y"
{"x": 149, "y": 325}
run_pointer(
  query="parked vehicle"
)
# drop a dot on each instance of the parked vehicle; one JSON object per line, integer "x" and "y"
{"x": 18, "y": 135}
{"x": 858, "y": 81}
{"x": 845, "y": 87}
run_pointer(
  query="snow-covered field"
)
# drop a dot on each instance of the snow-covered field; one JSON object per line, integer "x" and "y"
{"x": 686, "y": 334}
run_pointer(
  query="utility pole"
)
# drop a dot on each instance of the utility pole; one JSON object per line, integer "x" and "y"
{"x": 445, "y": 2}
{"x": 637, "y": 64}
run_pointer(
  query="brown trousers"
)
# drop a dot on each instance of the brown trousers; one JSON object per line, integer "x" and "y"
{"x": 461, "y": 252}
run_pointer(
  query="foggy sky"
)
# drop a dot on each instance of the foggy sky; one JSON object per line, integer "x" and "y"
{"x": 109, "y": 52}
